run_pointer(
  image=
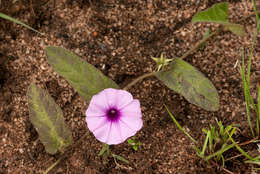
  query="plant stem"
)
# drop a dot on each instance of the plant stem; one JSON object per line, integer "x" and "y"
{"x": 256, "y": 12}
{"x": 199, "y": 44}
{"x": 52, "y": 166}
{"x": 138, "y": 79}
{"x": 182, "y": 57}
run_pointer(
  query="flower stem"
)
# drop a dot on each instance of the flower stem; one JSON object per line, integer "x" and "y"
{"x": 104, "y": 149}
{"x": 138, "y": 79}
{"x": 199, "y": 44}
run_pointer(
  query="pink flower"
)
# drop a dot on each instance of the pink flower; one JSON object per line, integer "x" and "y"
{"x": 113, "y": 116}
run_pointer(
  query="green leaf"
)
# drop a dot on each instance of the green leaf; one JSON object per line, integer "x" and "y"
{"x": 236, "y": 29}
{"x": 4, "y": 16}
{"x": 184, "y": 79}
{"x": 104, "y": 149}
{"x": 131, "y": 141}
{"x": 46, "y": 116}
{"x": 82, "y": 76}
{"x": 218, "y": 13}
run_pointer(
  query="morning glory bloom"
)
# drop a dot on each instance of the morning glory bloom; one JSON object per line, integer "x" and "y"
{"x": 113, "y": 116}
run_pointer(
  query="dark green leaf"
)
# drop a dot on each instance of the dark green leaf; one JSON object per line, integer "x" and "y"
{"x": 82, "y": 76}
{"x": 184, "y": 79}
{"x": 218, "y": 13}
{"x": 46, "y": 116}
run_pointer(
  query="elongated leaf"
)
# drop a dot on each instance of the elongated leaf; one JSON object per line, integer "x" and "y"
{"x": 82, "y": 76}
{"x": 4, "y": 16}
{"x": 218, "y": 13}
{"x": 46, "y": 116}
{"x": 184, "y": 79}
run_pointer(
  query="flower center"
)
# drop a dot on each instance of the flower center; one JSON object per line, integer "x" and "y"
{"x": 113, "y": 114}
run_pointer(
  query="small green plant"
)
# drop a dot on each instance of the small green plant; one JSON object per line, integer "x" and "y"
{"x": 105, "y": 153}
{"x": 250, "y": 104}
{"x": 217, "y": 141}
{"x": 135, "y": 145}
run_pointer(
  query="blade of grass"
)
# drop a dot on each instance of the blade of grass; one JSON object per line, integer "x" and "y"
{"x": 246, "y": 93}
{"x": 240, "y": 149}
{"x": 205, "y": 144}
{"x": 258, "y": 111}
{"x": 211, "y": 138}
{"x": 231, "y": 133}
{"x": 4, "y": 16}
{"x": 104, "y": 149}
{"x": 220, "y": 152}
{"x": 256, "y": 12}
{"x": 223, "y": 161}
{"x": 253, "y": 162}
{"x": 249, "y": 70}
{"x": 248, "y": 78}
{"x": 179, "y": 126}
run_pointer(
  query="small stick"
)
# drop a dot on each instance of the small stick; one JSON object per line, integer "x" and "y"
{"x": 247, "y": 142}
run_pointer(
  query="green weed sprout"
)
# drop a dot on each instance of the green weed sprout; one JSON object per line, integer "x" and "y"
{"x": 135, "y": 145}
{"x": 105, "y": 152}
{"x": 217, "y": 141}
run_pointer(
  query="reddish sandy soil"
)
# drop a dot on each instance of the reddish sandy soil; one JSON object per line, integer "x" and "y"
{"x": 119, "y": 37}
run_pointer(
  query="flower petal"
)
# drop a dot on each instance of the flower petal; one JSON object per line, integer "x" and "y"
{"x": 94, "y": 111}
{"x": 114, "y": 136}
{"x": 132, "y": 109}
{"x": 127, "y": 131}
{"x": 99, "y": 101}
{"x": 133, "y": 122}
{"x": 115, "y": 131}
{"x": 118, "y": 98}
{"x": 95, "y": 122}
{"x": 101, "y": 133}
{"x": 132, "y": 116}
